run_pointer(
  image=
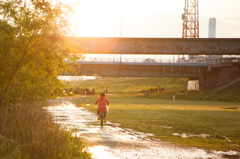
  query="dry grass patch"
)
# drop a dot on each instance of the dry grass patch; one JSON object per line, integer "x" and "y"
{"x": 27, "y": 131}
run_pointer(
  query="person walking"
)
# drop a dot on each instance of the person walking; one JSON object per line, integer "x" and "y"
{"x": 102, "y": 106}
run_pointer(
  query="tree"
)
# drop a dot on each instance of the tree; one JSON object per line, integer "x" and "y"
{"x": 33, "y": 47}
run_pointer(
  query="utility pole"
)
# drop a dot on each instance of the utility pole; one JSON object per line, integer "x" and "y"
{"x": 121, "y": 36}
{"x": 114, "y": 27}
{"x": 121, "y": 23}
{"x": 114, "y": 36}
{"x": 190, "y": 19}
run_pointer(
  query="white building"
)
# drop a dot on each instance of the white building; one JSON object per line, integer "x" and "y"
{"x": 212, "y": 28}
{"x": 212, "y": 34}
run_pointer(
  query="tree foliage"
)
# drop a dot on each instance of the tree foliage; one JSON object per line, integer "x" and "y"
{"x": 33, "y": 50}
{"x": 33, "y": 47}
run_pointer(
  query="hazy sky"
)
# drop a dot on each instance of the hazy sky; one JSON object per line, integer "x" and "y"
{"x": 154, "y": 18}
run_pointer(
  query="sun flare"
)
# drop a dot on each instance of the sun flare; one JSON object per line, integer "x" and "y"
{"x": 97, "y": 18}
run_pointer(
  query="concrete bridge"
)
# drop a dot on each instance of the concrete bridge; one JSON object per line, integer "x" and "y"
{"x": 164, "y": 46}
{"x": 209, "y": 74}
{"x": 126, "y": 69}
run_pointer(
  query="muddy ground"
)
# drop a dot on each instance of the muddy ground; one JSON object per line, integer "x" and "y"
{"x": 113, "y": 142}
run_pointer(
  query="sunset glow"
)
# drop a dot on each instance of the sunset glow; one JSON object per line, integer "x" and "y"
{"x": 101, "y": 18}
{"x": 153, "y": 18}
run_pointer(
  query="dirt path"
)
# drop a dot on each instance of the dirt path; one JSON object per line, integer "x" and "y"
{"x": 113, "y": 142}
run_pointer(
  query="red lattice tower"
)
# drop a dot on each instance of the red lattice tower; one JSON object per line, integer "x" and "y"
{"x": 190, "y": 19}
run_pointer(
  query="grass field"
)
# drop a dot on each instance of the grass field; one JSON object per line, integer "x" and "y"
{"x": 219, "y": 121}
{"x": 131, "y": 85}
{"x": 172, "y": 86}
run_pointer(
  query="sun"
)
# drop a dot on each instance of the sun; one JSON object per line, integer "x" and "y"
{"x": 94, "y": 18}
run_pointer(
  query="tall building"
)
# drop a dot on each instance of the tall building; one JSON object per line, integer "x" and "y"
{"x": 212, "y": 28}
{"x": 212, "y": 34}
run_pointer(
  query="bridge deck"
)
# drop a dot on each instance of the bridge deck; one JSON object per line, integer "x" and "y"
{"x": 164, "y": 46}
{"x": 141, "y": 64}
{"x": 126, "y": 69}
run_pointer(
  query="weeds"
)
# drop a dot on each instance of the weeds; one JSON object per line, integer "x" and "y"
{"x": 27, "y": 131}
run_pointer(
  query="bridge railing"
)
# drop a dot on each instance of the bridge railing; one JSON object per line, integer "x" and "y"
{"x": 222, "y": 62}
{"x": 217, "y": 61}
{"x": 148, "y": 60}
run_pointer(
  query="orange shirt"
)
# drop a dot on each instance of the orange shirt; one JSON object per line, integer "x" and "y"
{"x": 102, "y": 104}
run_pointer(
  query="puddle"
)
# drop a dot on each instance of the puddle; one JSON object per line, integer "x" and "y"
{"x": 113, "y": 142}
{"x": 233, "y": 108}
{"x": 166, "y": 127}
{"x": 183, "y": 135}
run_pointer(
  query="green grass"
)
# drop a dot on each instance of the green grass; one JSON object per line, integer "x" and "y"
{"x": 131, "y": 85}
{"x": 231, "y": 95}
{"x": 145, "y": 114}
{"x": 173, "y": 86}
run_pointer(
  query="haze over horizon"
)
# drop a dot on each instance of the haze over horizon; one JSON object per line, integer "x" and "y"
{"x": 154, "y": 18}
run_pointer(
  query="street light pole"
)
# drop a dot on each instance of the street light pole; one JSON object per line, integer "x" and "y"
{"x": 114, "y": 27}
{"x": 121, "y": 35}
{"x": 114, "y": 36}
{"x": 121, "y": 23}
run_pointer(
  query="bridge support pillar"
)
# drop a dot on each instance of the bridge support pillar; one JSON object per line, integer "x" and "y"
{"x": 202, "y": 82}
{"x": 220, "y": 75}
